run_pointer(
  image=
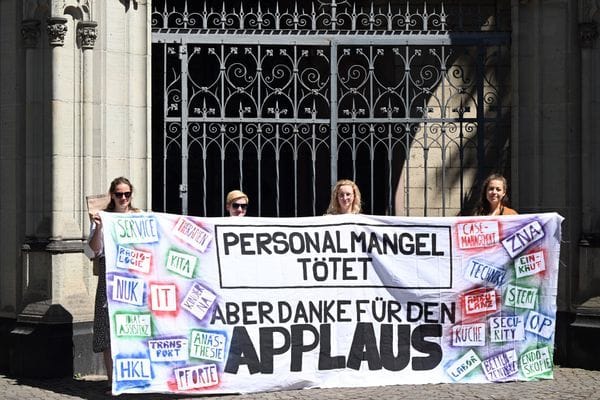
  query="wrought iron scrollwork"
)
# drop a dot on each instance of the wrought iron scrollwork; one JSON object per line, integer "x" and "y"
{"x": 334, "y": 16}
{"x": 248, "y": 107}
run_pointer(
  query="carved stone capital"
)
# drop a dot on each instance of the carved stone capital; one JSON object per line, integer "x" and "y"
{"x": 588, "y": 32}
{"x": 30, "y": 30}
{"x": 57, "y": 29}
{"x": 590, "y": 9}
{"x": 86, "y": 34}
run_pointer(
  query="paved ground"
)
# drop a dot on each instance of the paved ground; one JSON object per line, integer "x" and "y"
{"x": 568, "y": 383}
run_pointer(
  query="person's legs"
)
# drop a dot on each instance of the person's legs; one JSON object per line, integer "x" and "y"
{"x": 108, "y": 366}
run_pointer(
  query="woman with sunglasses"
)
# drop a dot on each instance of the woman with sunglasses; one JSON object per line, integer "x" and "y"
{"x": 120, "y": 201}
{"x": 236, "y": 203}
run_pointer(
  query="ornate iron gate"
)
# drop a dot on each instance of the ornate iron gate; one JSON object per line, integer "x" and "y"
{"x": 281, "y": 99}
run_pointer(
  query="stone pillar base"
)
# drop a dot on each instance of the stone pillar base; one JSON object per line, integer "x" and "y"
{"x": 6, "y": 326}
{"x": 584, "y": 350}
{"x": 45, "y": 343}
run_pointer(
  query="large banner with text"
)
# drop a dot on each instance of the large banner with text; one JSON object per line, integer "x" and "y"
{"x": 237, "y": 305}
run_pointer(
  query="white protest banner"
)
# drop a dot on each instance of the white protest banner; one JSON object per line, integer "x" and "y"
{"x": 238, "y": 305}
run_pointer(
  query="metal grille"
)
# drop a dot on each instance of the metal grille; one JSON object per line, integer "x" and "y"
{"x": 281, "y": 101}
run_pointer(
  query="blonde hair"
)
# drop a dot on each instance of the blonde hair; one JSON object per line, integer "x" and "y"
{"x": 334, "y": 205}
{"x": 234, "y": 195}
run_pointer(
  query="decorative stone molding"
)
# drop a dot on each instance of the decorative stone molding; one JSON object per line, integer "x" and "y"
{"x": 86, "y": 34}
{"x": 590, "y": 9}
{"x": 86, "y": 6}
{"x": 60, "y": 246}
{"x": 30, "y": 30}
{"x": 57, "y": 29}
{"x": 36, "y": 9}
{"x": 53, "y": 245}
{"x": 588, "y": 32}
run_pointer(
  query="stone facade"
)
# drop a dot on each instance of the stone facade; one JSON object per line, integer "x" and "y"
{"x": 74, "y": 108}
{"x": 75, "y": 111}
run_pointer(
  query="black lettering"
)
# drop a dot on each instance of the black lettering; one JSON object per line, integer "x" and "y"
{"x": 281, "y": 245}
{"x": 389, "y": 243}
{"x": 512, "y": 241}
{"x": 328, "y": 243}
{"x": 300, "y": 313}
{"x": 414, "y": 311}
{"x": 246, "y": 244}
{"x": 241, "y": 351}
{"x": 421, "y": 244}
{"x": 247, "y": 312}
{"x": 262, "y": 240}
{"x": 358, "y": 239}
{"x": 232, "y": 311}
{"x": 407, "y": 246}
{"x": 267, "y": 348}
{"x": 298, "y": 346}
{"x": 393, "y": 308}
{"x": 217, "y": 315}
{"x": 374, "y": 243}
{"x": 430, "y": 313}
{"x": 340, "y": 249}
{"x": 230, "y": 239}
{"x": 434, "y": 250}
{"x": 386, "y": 351}
{"x": 448, "y": 312}
{"x": 298, "y": 247}
{"x": 326, "y": 362}
{"x": 341, "y": 310}
{"x": 364, "y": 347}
{"x": 285, "y": 311}
{"x": 312, "y": 243}
{"x": 264, "y": 311}
{"x": 424, "y": 346}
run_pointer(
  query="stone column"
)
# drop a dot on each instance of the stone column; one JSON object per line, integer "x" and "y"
{"x": 34, "y": 124}
{"x": 546, "y": 144}
{"x": 30, "y": 31}
{"x": 588, "y": 33}
{"x": 90, "y": 125}
{"x": 57, "y": 29}
{"x": 585, "y": 328}
{"x": 86, "y": 33}
{"x": 42, "y": 339}
{"x": 589, "y": 242}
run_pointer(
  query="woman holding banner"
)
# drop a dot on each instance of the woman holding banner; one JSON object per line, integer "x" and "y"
{"x": 493, "y": 199}
{"x": 120, "y": 192}
{"x": 345, "y": 198}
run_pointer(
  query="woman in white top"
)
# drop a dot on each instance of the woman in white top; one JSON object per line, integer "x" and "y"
{"x": 120, "y": 191}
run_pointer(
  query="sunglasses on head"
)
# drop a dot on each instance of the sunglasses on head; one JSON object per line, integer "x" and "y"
{"x": 243, "y": 206}
{"x": 121, "y": 194}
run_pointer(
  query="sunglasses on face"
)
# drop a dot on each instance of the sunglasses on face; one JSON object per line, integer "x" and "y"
{"x": 239, "y": 205}
{"x": 118, "y": 195}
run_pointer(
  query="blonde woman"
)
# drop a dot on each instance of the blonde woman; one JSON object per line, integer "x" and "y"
{"x": 345, "y": 198}
{"x": 236, "y": 203}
